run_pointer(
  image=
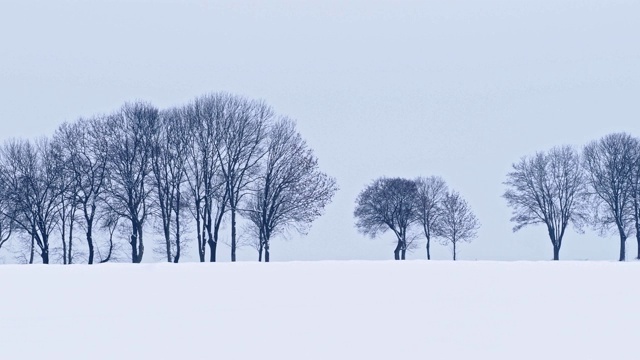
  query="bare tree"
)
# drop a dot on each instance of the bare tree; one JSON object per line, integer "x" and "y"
{"x": 388, "y": 204}
{"x": 548, "y": 188}
{"x": 290, "y": 192}
{"x": 242, "y": 132}
{"x": 85, "y": 146}
{"x": 609, "y": 163}
{"x": 61, "y": 143}
{"x": 31, "y": 179}
{"x": 168, "y": 162}
{"x": 431, "y": 192}
{"x": 208, "y": 196}
{"x": 6, "y": 228}
{"x": 7, "y": 225}
{"x": 635, "y": 192}
{"x": 129, "y": 134}
{"x": 18, "y": 161}
{"x": 458, "y": 224}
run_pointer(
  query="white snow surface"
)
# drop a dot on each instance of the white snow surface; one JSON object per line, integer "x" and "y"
{"x": 321, "y": 310}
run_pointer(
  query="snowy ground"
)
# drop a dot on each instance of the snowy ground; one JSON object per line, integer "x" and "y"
{"x": 321, "y": 310}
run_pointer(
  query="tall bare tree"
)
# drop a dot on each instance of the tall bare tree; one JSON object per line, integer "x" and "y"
{"x": 635, "y": 193}
{"x": 458, "y": 224}
{"x": 208, "y": 195}
{"x": 129, "y": 134}
{"x": 7, "y": 225}
{"x": 168, "y": 161}
{"x": 242, "y": 130}
{"x": 548, "y": 188}
{"x": 388, "y": 204}
{"x": 609, "y": 163}
{"x": 431, "y": 192}
{"x": 68, "y": 200}
{"x": 85, "y": 146}
{"x": 291, "y": 191}
{"x": 31, "y": 179}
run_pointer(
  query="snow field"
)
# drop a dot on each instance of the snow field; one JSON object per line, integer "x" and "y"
{"x": 321, "y": 310}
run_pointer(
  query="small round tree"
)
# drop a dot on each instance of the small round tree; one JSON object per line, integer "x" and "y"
{"x": 388, "y": 204}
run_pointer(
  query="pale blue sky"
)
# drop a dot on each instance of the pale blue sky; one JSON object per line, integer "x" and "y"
{"x": 459, "y": 89}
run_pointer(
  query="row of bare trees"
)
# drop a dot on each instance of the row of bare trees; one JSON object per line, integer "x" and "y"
{"x": 598, "y": 187}
{"x": 410, "y": 207}
{"x": 139, "y": 170}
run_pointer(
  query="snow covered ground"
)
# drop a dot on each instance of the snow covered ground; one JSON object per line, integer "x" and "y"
{"x": 321, "y": 310}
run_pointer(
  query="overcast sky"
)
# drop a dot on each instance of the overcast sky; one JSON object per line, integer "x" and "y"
{"x": 460, "y": 89}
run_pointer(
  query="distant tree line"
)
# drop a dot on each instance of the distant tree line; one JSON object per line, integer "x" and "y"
{"x": 139, "y": 170}
{"x": 597, "y": 187}
{"x": 410, "y": 208}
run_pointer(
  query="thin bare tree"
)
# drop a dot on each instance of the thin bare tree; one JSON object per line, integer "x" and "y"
{"x": 208, "y": 196}
{"x": 458, "y": 224}
{"x": 242, "y": 130}
{"x": 129, "y": 134}
{"x": 168, "y": 161}
{"x": 290, "y": 191}
{"x": 548, "y": 188}
{"x": 7, "y": 225}
{"x": 431, "y": 192}
{"x": 62, "y": 142}
{"x": 388, "y": 204}
{"x": 31, "y": 175}
{"x": 84, "y": 144}
{"x": 88, "y": 155}
{"x": 609, "y": 164}
{"x": 635, "y": 193}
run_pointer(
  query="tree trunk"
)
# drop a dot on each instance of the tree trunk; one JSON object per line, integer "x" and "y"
{"x": 90, "y": 242}
{"x": 454, "y": 250}
{"x": 134, "y": 245}
{"x": 266, "y": 251}
{"x": 260, "y": 247}
{"x": 200, "y": 247}
{"x": 216, "y": 231}
{"x": 134, "y": 241}
{"x": 638, "y": 240}
{"x": 64, "y": 246}
{"x": 428, "y": 249}
{"x": 140, "y": 244}
{"x": 102, "y": 261}
{"x": 212, "y": 247}
{"x": 404, "y": 244}
{"x": 89, "y": 235}
{"x": 233, "y": 235}
{"x": 167, "y": 241}
{"x": 623, "y": 240}
{"x": 178, "y": 247}
{"x": 203, "y": 249}
{"x": 199, "y": 233}
{"x": 31, "y": 253}
{"x": 45, "y": 250}
{"x": 554, "y": 242}
{"x": 212, "y": 242}
{"x": 396, "y": 252}
{"x": 71, "y": 240}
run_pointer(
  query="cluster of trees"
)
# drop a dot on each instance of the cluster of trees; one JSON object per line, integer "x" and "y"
{"x": 598, "y": 187}
{"x": 410, "y": 207}
{"x": 213, "y": 161}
